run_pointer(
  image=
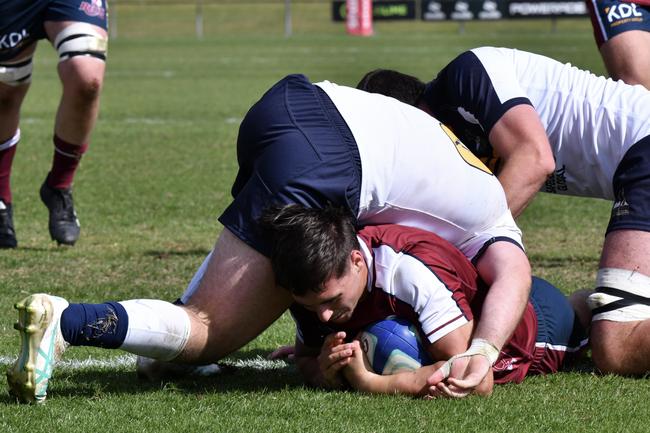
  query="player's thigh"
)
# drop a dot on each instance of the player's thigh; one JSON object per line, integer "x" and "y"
{"x": 627, "y": 249}
{"x": 83, "y": 70}
{"x": 627, "y": 242}
{"x": 621, "y": 31}
{"x": 627, "y": 57}
{"x": 236, "y": 297}
{"x": 14, "y": 84}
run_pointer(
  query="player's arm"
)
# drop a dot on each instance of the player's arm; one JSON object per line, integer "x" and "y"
{"x": 520, "y": 140}
{"x": 321, "y": 367}
{"x": 505, "y": 268}
{"x": 361, "y": 377}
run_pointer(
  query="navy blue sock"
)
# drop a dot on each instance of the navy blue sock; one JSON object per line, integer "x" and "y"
{"x": 99, "y": 325}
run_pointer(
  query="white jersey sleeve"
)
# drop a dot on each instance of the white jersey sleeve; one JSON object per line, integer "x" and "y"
{"x": 413, "y": 283}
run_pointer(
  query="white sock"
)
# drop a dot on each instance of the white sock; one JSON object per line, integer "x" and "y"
{"x": 157, "y": 329}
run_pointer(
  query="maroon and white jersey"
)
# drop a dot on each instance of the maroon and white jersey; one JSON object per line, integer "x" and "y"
{"x": 418, "y": 276}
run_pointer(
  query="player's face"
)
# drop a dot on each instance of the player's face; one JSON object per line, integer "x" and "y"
{"x": 341, "y": 295}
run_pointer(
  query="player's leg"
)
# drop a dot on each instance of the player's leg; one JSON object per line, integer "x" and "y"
{"x": 239, "y": 293}
{"x": 622, "y": 33}
{"x": 82, "y": 52}
{"x": 578, "y": 301}
{"x": 627, "y": 57}
{"x": 15, "y": 78}
{"x": 235, "y": 300}
{"x": 620, "y": 331}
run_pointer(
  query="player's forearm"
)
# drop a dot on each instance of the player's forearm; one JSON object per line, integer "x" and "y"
{"x": 505, "y": 268}
{"x": 408, "y": 383}
{"x": 521, "y": 179}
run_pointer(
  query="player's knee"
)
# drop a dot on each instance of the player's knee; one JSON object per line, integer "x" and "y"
{"x": 85, "y": 88}
{"x": 614, "y": 349}
{"x": 605, "y": 349}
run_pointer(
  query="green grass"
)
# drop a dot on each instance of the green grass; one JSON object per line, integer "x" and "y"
{"x": 157, "y": 176}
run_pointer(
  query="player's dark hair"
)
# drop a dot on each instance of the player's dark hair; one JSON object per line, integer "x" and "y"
{"x": 309, "y": 246}
{"x": 403, "y": 87}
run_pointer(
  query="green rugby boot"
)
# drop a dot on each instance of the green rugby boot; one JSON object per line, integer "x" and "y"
{"x": 41, "y": 345}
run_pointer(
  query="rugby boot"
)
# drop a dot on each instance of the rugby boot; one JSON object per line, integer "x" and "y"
{"x": 41, "y": 345}
{"x": 7, "y": 232}
{"x": 63, "y": 223}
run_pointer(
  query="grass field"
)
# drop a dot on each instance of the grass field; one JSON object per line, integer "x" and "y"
{"x": 158, "y": 174}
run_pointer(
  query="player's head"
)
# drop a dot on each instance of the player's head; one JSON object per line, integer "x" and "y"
{"x": 403, "y": 87}
{"x": 316, "y": 256}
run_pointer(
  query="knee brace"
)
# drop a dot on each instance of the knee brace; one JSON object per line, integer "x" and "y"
{"x": 621, "y": 295}
{"x": 81, "y": 39}
{"x": 16, "y": 73}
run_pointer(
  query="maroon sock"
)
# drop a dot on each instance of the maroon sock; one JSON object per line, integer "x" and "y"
{"x": 6, "y": 158}
{"x": 65, "y": 162}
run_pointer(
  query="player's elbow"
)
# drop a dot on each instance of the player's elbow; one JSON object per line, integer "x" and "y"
{"x": 546, "y": 164}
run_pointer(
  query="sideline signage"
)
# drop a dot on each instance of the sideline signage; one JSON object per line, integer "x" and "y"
{"x": 381, "y": 10}
{"x": 465, "y": 10}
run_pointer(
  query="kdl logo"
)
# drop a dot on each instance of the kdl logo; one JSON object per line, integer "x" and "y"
{"x": 622, "y": 11}
{"x": 13, "y": 39}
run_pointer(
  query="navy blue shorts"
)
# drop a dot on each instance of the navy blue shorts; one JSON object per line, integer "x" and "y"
{"x": 21, "y": 21}
{"x": 631, "y": 210}
{"x": 561, "y": 337}
{"x": 612, "y": 17}
{"x": 293, "y": 147}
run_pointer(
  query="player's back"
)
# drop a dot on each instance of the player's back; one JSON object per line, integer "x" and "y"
{"x": 416, "y": 173}
{"x": 590, "y": 120}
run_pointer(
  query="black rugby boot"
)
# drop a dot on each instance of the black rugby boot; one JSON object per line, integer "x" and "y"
{"x": 63, "y": 224}
{"x": 7, "y": 232}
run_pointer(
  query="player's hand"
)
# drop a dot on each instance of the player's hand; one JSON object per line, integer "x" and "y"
{"x": 357, "y": 369}
{"x": 465, "y": 374}
{"x": 287, "y": 353}
{"x": 462, "y": 374}
{"x": 335, "y": 354}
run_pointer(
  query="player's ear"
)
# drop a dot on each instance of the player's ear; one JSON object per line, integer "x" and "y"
{"x": 356, "y": 258}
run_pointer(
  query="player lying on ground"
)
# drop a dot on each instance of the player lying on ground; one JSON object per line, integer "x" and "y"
{"x": 342, "y": 281}
{"x": 543, "y": 125}
{"x": 313, "y": 144}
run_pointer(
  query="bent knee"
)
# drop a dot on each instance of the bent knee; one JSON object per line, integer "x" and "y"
{"x": 613, "y": 348}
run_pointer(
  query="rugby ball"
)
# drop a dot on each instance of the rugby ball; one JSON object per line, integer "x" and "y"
{"x": 392, "y": 345}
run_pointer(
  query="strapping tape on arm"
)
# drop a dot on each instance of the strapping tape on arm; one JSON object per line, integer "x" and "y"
{"x": 479, "y": 346}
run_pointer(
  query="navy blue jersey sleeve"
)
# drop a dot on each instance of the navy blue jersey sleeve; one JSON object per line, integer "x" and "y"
{"x": 465, "y": 89}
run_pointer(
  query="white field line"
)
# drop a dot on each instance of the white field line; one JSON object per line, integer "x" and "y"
{"x": 128, "y": 361}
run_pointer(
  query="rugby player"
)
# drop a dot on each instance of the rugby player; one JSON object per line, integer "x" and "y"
{"x": 314, "y": 145}
{"x": 342, "y": 281}
{"x": 77, "y": 31}
{"x": 543, "y": 125}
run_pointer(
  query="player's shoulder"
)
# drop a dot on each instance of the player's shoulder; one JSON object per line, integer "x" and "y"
{"x": 427, "y": 247}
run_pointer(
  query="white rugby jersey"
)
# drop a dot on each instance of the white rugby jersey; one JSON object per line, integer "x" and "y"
{"x": 591, "y": 121}
{"x": 416, "y": 173}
